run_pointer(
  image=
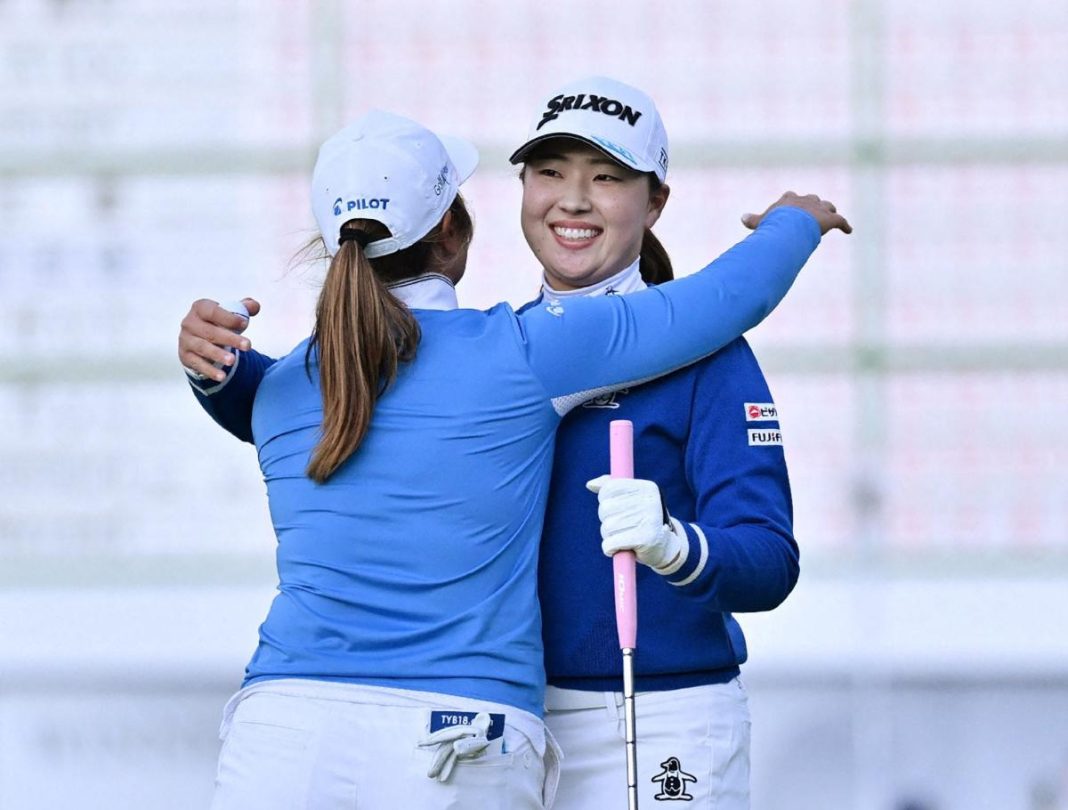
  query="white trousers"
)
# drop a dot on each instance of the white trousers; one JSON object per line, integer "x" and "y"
{"x": 692, "y": 746}
{"x": 311, "y": 745}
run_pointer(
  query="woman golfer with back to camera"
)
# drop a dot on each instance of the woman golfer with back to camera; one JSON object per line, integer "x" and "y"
{"x": 406, "y": 449}
{"x": 714, "y": 537}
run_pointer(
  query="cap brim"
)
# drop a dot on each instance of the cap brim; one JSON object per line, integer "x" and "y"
{"x": 463, "y": 155}
{"x": 520, "y": 154}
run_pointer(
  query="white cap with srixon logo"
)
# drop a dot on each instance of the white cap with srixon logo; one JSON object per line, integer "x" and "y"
{"x": 390, "y": 169}
{"x": 614, "y": 117}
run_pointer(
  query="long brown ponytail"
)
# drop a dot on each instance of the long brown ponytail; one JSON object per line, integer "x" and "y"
{"x": 363, "y": 333}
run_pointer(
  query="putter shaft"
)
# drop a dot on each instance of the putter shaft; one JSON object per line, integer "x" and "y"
{"x": 631, "y": 731}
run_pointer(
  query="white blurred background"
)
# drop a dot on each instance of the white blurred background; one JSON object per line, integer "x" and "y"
{"x": 156, "y": 152}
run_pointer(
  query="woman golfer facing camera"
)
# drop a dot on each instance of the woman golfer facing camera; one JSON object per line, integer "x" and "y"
{"x": 709, "y": 514}
{"x": 406, "y": 448}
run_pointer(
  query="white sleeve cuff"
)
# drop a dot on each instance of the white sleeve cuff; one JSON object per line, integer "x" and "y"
{"x": 198, "y": 380}
{"x": 701, "y": 562}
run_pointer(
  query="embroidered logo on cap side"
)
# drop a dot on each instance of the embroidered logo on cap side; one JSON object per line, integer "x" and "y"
{"x": 442, "y": 181}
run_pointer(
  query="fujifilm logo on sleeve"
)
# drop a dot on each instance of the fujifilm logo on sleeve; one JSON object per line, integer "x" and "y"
{"x": 608, "y": 106}
{"x": 759, "y": 438}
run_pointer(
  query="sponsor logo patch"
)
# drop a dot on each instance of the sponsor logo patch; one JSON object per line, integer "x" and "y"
{"x": 600, "y": 104}
{"x": 761, "y": 412}
{"x": 359, "y": 204}
{"x": 759, "y": 438}
{"x": 446, "y": 719}
{"x": 672, "y": 781}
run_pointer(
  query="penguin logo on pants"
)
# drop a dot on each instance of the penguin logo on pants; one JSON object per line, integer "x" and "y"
{"x": 673, "y": 781}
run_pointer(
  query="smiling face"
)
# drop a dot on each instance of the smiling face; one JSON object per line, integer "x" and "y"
{"x": 583, "y": 214}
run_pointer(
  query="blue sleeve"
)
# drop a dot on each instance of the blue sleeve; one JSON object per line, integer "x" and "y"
{"x": 742, "y": 553}
{"x": 588, "y": 346}
{"x": 229, "y": 402}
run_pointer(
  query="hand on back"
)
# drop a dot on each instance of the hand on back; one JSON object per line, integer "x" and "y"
{"x": 207, "y": 329}
{"x": 823, "y": 210}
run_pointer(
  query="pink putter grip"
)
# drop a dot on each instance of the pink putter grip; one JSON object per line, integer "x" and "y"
{"x": 621, "y": 454}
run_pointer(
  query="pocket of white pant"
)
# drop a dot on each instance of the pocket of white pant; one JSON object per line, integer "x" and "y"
{"x": 266, "y": 741}
{"x": 551, "y": 779}
{"x": 489, "y": 761}
{"x": 424, "y": 758}
{"x": 263, "y": 764}
{"x": 500, "y": 769}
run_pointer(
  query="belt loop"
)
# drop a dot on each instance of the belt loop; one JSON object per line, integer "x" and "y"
{"x": 611, "y": 706}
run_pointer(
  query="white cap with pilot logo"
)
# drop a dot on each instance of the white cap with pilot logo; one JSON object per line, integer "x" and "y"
{"x": 390, "y": 169}
{"x": 609, "y": 115}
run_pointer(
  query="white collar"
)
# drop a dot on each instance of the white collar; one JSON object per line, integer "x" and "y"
{"x": 429, "y": 291}
{"x": 627, "y": 280}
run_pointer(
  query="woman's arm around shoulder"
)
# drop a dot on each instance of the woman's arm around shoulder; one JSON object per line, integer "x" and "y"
{"x": 224, "y": 371}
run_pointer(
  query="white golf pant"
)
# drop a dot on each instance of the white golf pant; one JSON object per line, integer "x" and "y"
{"x": 315, "y": 745}
{"x": 693, "y": 747}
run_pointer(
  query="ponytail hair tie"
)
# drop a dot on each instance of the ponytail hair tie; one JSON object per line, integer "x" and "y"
{"x": 362, "y": 238}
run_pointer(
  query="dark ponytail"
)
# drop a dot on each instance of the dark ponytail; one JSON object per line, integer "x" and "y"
{"x": 363, "y": 333}
{"x": 655, "y": 265}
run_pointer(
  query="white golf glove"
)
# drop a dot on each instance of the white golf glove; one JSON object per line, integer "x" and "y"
{"x": 634, "y": 518}
{"x": 455, "y": 743}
